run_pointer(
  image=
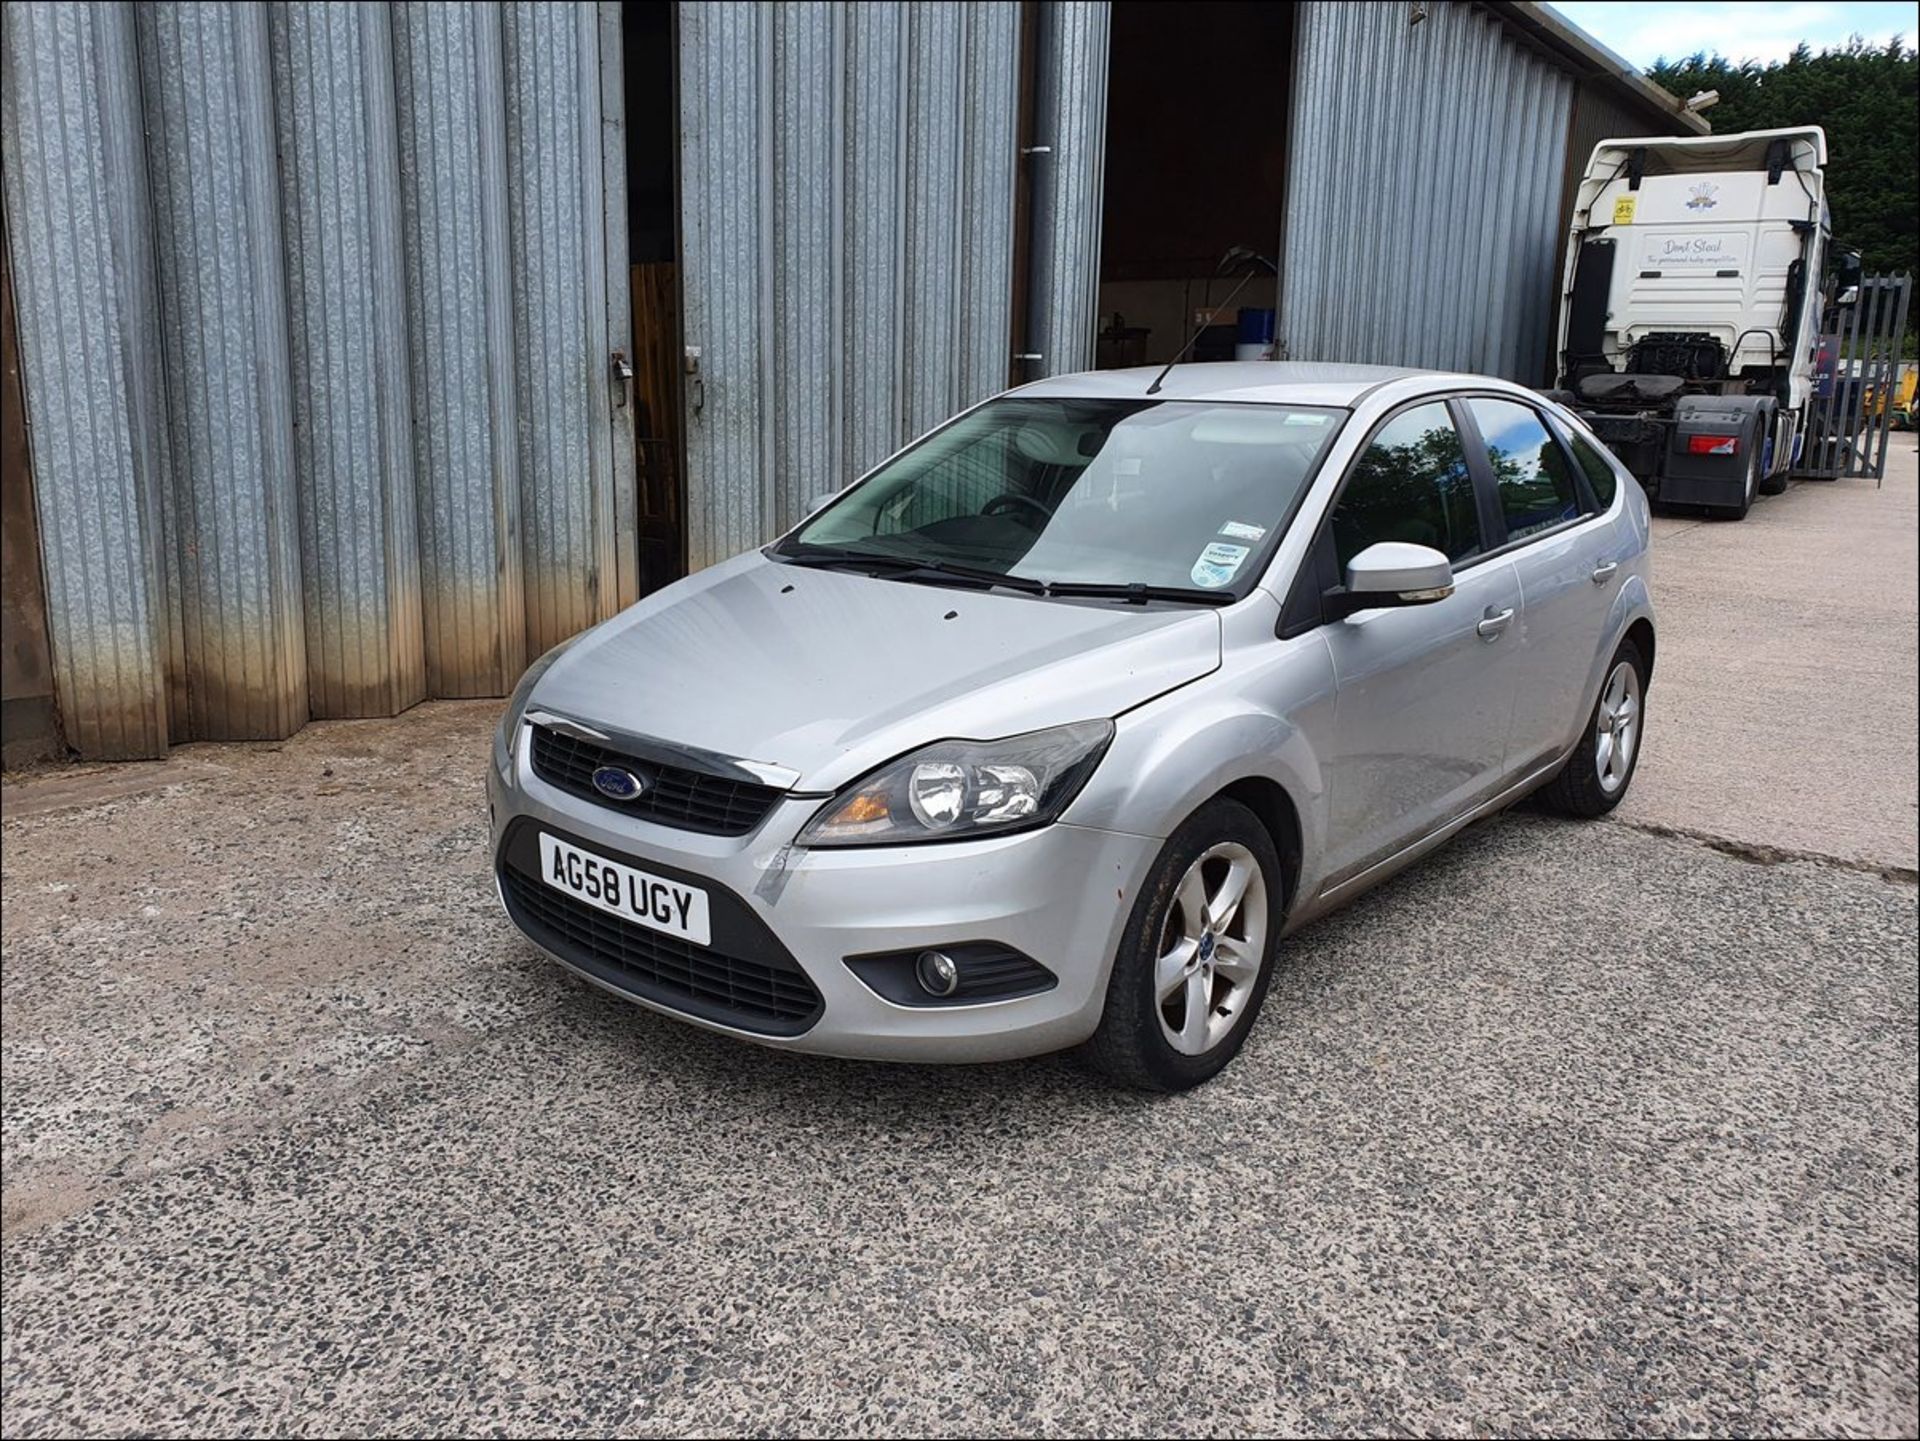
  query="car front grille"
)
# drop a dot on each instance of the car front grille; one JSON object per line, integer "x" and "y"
{"x": 753, "y": 995}
{"x": 687, "y": 800}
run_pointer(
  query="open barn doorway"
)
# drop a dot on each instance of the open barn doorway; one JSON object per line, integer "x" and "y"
{"x": 649, "y": 55}
{"x": 1198, "y": 99}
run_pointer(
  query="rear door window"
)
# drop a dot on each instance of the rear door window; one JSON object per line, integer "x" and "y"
{"x": 1530, "y": 469}
{"x": 1600, "y": 477}
{"x": 1411, "y": 483}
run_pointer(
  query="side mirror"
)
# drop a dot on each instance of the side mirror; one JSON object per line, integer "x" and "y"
{"x": 1850, "y": 270}
{"x": 820, "y": 502}
{"x": 1849, "y": 296}
{"x": 1391, "y": 573}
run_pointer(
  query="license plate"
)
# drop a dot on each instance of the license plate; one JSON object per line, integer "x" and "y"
{"x": 624, "y": 891}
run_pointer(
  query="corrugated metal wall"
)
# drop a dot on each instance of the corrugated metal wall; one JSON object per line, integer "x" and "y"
{"x": 1069, "y": 181}
{"x": 847, "y": 223}
{"x": 347, "y": 314}
{"x": 1423, "y": 200}
{"x": 451, "y": 89}
{"x": 317, "y": 373}
{"x": 296, "y": 363}
{"x": 556, "y": 256}
{"x": 232, "y": 531}
{"x": 81, "y": 236}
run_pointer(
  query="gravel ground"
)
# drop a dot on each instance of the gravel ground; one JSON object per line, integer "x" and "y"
{"x": 1571, "y": 1129}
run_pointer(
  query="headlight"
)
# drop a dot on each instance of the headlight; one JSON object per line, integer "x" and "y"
{"x": 517, "y": 706}
{"x": 961, "y": 790}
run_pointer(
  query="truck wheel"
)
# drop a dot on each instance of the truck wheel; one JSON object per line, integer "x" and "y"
{"x": 1749, "y": 487}
{"x": 1775, "y": 462}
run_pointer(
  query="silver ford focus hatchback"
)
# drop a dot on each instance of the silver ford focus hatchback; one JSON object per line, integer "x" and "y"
{"x": 1049, "y": 729}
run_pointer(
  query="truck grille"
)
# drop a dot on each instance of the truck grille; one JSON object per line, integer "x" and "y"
{"x": 687, "y": 800}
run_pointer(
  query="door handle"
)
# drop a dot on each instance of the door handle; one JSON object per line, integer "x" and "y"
{"x": 1603, "y": 572}
{"x": 1494, "y": 622}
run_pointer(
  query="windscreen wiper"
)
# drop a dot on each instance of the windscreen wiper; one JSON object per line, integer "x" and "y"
{"x": 978, "y": 575}
{"x": 833, "y": 557}
{"x": 1138, "y": 593}
{"x": 906, "y": 567}
{"x": 909, "y": 568}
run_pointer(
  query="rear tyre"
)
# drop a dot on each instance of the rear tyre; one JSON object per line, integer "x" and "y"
{"x": 1773, "y": 469}
{"x": 1597, "y": 774}
{"x": 1194, "y": 962}
{"x": 1749, "y": 487}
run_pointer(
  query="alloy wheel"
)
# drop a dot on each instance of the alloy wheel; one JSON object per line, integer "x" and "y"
{"x": 1212, "y": 943}
{"x": 1616, "y": 728}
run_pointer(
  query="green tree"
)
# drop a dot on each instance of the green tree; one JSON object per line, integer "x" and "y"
{"x": 1867, "y": 98}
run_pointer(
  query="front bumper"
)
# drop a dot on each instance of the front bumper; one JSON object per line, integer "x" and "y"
{"x": 1060, "y": 894}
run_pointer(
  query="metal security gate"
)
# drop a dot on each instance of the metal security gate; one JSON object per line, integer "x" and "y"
{"x": 1857, "y": 369}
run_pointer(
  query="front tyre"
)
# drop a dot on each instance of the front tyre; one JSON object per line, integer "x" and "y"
{"x": 1597, "y": 774}
{"x": 1194, "y": 962}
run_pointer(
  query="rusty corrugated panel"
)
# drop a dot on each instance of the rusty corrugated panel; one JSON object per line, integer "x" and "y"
{"x": 847, "y": 209}
{"x": 353, "y": 449}
{"x": 79, "y": 233}
{"x": 233, "y": 536}
{"x": 1423, "y": 200}
{"x": 450, "y": 88}
{"x": 1071, "y": 121}
{"x": 558, "y": 264}
{"x": 29, "y": 717}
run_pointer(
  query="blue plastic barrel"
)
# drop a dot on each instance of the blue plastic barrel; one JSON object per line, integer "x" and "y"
{"x": 1256, "y": 326}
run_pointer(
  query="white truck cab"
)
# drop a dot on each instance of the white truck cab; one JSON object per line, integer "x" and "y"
{"x": 1694, "y": 292}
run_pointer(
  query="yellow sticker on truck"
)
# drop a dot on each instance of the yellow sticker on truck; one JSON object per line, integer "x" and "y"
{"x": 1623, "y": 209}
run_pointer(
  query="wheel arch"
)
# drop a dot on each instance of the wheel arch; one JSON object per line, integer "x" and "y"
{"x": 1641, "y": 634}
{"x": 1276, "y": 810}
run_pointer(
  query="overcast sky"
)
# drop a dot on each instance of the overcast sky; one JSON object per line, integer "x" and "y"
{"x": 1643, "y": 31}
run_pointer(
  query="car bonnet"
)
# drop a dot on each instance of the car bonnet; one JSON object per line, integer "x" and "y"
{"x": 830, "y": 673}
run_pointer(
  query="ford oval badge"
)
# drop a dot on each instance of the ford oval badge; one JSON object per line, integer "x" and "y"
{"x": 617, "y": 784}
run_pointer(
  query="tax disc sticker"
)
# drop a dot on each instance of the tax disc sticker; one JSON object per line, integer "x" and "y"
{"x": 1241, "y": 530}
{"x": 1217, "y": 565}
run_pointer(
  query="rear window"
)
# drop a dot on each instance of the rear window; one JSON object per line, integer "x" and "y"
{"x": 1535, "y": 483}
{"x": 1600, "y": 475}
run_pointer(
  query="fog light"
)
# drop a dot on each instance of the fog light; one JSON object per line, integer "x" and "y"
{"x": 937, "y": 973}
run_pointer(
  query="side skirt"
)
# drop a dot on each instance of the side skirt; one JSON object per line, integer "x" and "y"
{"x": 1332, "y": 897}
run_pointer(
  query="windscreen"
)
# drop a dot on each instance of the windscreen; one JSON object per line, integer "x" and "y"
{"x": 1173, "y": 494}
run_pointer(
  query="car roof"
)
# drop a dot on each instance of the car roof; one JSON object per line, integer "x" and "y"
{"x": 1269, "y": 382}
